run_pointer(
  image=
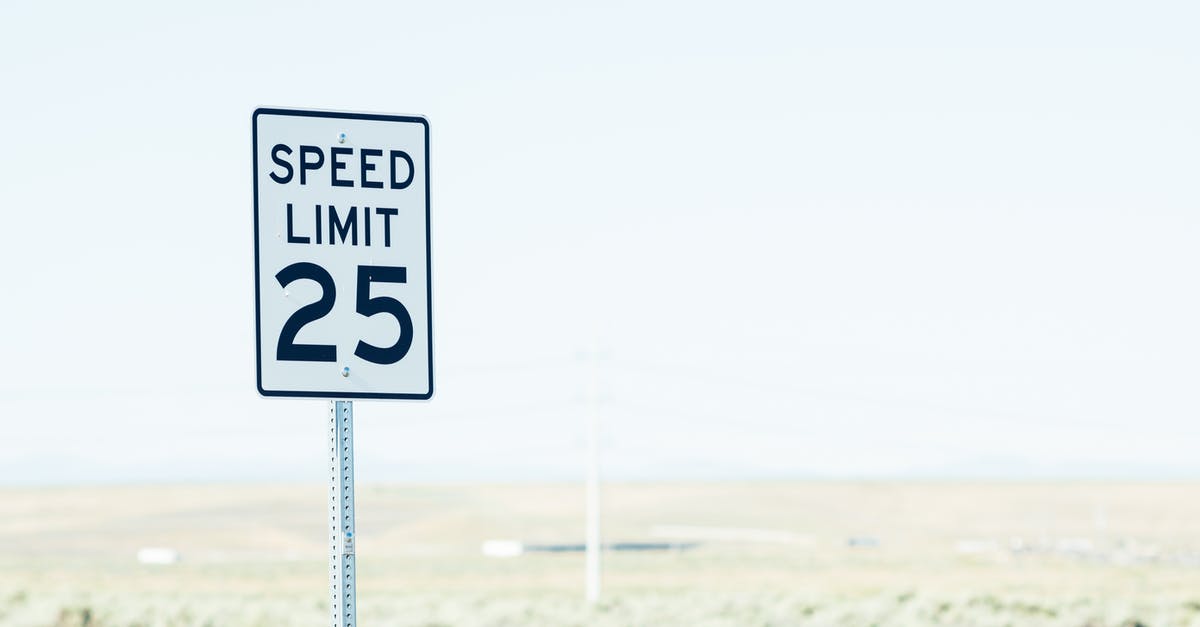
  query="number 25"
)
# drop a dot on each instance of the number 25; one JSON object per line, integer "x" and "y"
{"x": 289, "y": 350}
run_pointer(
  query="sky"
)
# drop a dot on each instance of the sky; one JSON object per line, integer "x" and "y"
{"x": 762, "y": 240}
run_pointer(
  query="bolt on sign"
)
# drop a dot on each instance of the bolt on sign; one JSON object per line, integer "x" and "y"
{"x": 342, "y": 274}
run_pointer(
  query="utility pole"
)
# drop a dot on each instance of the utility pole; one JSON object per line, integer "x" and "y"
{"x": 593, "y": 546}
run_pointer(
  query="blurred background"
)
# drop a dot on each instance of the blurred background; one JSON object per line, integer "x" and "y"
{"x": 816, "y": 267}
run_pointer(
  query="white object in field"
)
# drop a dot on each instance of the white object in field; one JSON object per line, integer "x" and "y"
{"x": 728, "y": 534}
{"x": 342, "y": 273}
{"x": 1076, "y": 546}
{"x": 341, "y": 513}
{"x": 592, "y": 531}
{"x": 157, "y": 556}
{"x": 502, "y": 548}
{"x": 976, "y": 547}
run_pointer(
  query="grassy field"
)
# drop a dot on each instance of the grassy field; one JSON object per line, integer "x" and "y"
{"x": 1075, "y": 554}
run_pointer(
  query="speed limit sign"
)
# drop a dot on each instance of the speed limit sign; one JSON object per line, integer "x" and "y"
{"x": 341, "y": 255}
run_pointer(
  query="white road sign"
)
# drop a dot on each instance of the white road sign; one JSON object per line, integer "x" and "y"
{"x": 341, "y": 255}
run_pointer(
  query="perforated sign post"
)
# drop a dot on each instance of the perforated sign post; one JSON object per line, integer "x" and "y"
{"x": 342, "y": 280}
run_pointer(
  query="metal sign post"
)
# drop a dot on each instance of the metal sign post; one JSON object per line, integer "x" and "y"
{"x": 341, "y": 513}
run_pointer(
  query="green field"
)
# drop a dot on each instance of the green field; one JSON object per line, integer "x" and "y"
{"x": 816, "y": 554}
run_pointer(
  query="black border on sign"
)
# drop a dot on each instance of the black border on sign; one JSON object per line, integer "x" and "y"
{"x": 308, "y": 113}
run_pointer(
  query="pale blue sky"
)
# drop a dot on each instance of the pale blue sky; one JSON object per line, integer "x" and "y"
{"x": 810, "y": 239}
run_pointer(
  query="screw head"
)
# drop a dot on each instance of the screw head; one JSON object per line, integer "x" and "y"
{"x": 341, "y": 138}
{"x": 346, "y": 371}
